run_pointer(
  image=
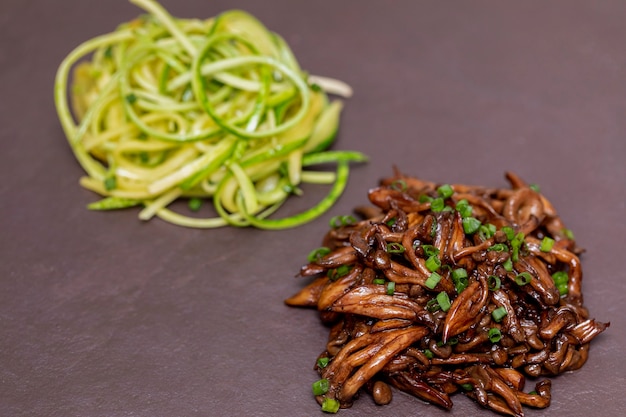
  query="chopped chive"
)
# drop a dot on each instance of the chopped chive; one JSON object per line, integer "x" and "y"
{"x": 488, "y": 230}
{"x": 433, "y": 263}
{"x": 433, "y": 228}
{"x": 498, "y": 247}
{"x": 428, "y": 353}
{"x": 340, "y": 271}
{"x": 467, "y": 387}
{"x": 494, "y": 282}
{"x": 395, "y": 247}
{"x": 453, "y": 341}
{"x": 508, "y": 265}
{"x": 445, "y": 191}
{"x": 546, "y": 244}
{"x": 568, "y": 234}
{"x": 432, "y": 305}
{"x": 535, "y": 187}
{"x": 432, "y": 280}
{"x": 378, "y": 281}
{"x": 560, "y": 277}
{"x": 330, "y": 405}
{"x": 444, "y": 301}
{"x": 459, "y": 277}
{"x": 470, "y": 225}
{"x": 494, "y": 335}
{"x": 391, "y": 287}
{"x": 499, "y": 313}
{"x": 391, "y": 222}
{"x": 323, "y": 362}
{"x": 424, "y": 199}
{"x": 194, "y": 204}
{"x": 523, "y": 278}
{"x": 321, "y": 387}
{"x": 459, "y": 273}
{"x": 461, "y": 284}
{"x": 345, "y": 220}
{"x": 509, "y": 232}
{"x": 399, "y": 185}
{"x": 516, "y": 244}
{"x": 317, "y": 254}
{"x": 437, "y": 205}
{"x": 430, "y": 250}
{"x": 463, "y": 207}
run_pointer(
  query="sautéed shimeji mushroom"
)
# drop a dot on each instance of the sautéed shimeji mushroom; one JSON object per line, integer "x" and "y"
{"x": 444, "y": 289}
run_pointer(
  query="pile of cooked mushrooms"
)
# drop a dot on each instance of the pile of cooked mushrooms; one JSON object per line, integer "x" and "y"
{"x": 441, "y": 289}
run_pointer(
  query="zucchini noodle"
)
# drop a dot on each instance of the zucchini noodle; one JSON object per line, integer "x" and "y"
{"x": 165, "y": 109}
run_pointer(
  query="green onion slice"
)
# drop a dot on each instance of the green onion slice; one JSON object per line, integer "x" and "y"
{"x": 317, "y": 254}
{"x": 437, "y": 205}
{"x": 430, "y": 250}
{"x": 444, "y": 301}
{"x": 546, "y": 244}
{"x": 321, "y": 386}
{"x": 433, "y": 263}
{"x": 323, "y": 362}
{"x": 432, "y": 281}
{"x": 463, "y": 207}
{"x": 498, "y": 247}
{"x": 336, "y": 273}
{"x": 509, "y": 232}
{"x": 339, "y": 221}
{"x": 499, "y": 313}
{"x": 395, "y": 247}
{"x": 487, "y": 230}
{"x": 523, "y": 278}
{"x": 445, "y": 191}
{"x": 330, "y": 405}
{"x": 494, "y": 335}
{"x": 494, "y": 282}
{"x": 399, "y": 185}
{"x": 508, "y": 265}
{"x": 470, "y": 225}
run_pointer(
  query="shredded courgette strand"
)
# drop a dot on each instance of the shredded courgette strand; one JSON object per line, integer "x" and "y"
{"x": 164, "y": 108}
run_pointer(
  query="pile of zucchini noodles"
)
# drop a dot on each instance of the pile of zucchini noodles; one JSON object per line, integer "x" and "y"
{"x": 216, "y": 110}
